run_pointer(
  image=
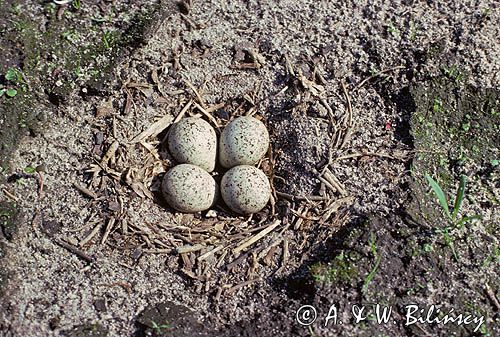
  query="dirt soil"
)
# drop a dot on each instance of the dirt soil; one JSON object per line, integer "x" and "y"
{"x": 364, "y": 102}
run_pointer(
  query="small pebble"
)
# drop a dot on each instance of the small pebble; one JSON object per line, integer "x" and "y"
{"x": 211, "y": 214}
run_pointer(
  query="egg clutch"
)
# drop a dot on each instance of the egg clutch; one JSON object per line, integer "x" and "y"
{"x": 192, "y": 142}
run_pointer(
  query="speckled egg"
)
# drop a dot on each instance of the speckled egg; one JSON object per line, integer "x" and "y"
{"x": 245, "y": 189}
{"x": 188, "y": 188}
{"x": 193, "y": 141}
{"x": 244, "y": 141}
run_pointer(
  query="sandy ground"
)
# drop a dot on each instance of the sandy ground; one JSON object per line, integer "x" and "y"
{"x": 328, "y": 43}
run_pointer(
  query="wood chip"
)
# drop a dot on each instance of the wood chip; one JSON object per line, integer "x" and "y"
{"x": 268, "y": 259}
{"x": 314, "y": 88}
{"x": 492, "y": 296}
{"x": 85, "y": 191}
{"x": 330, "y": 177}
{"x": 145, "y": 88}
{"x": 256, "y": 237}
{"x": 348, "y": 120}
{"x": 327, "y": 184}
{"x": 286, "y": 253}
{"x": 303, "y": 215}
{"x": 105, "y": 109}
{"x": 301, "y": 198}
{"x": 190, "y": 248}
{"x": 335, "y": 206}
{"x": 128, "y": 103}
{"x": 126, "y": 286}
{"x": 215, "y": 107}
{"x": 210, "y": 253}
{"x": 220, "y": 261}
{"x": 265, "y": 252}
{"x": 124, "y": 226}
{"x": 299, "y": 220}
{"x": 241, "y": 285}
{"x": 286, "y": 256}
{"x": 154, "y": 76}
{"x": 110, "y": 153}
{"x": 152, "y": 149}
{"x": 158, "y": 251}
{"x": 154, "y": 129}
{"x": 90, "y": 236}
{"x": 187, "y": 262}
{"x": 346, "y": 138}
{"x": 109, "y": 227}
{"x": 370, "y": 154}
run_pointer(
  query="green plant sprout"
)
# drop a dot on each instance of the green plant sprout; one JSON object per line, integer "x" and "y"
{"x": 341, "y": 269}
{"x": 77, "y": 4}
{"x": 107, "y": 37}
{"x": 21, "y": 182}
{"x": 378, "y": 257}
{"x": 448, "y": 240}
{"x": 453, "y": 72}
{"x": 16, "y": 9}
{"x": 8, "y": 92}
{"x": 494, "y": 257}
{"x": 29, "y": 169}
{"x": 14, "y": 76}
{"x": 451, "y": 215}
{"x": 393, "y": 30}
{"x": 158, "y": 327}
{"x": 413, "y": 31}
{"x": 436, "y": 106}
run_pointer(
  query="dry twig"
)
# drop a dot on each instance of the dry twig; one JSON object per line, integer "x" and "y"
{"x": 109, "y": 227}
{"x": 190, "y": 248}
{"x": 81, "y": 254}
{"x": 183, "y": 111}
{"x": 154, "y": 129}
{"x": 369, "y": 154}
{"x": 196, "y": 93}
{"x": 300, "y": 198}
{"x": 241, "y": 285}
{"x": 492, "y": 296}
{"x": 85, "y": 191}
{"x": 10, "y": 195}
{"x": 208, "y": 115}
{"x": 256, "y": 237}
{"x": 376, "y": 75}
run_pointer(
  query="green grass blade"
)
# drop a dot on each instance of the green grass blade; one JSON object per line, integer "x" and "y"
{"x": 373, "y": 246}
{"x": 460, "y": 196}
{"x": 370, "y": 276}
{"x": 440, "y": 194}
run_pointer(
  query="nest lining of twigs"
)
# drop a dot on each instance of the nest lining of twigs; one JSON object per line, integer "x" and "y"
{"x": 130, "y": 167}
